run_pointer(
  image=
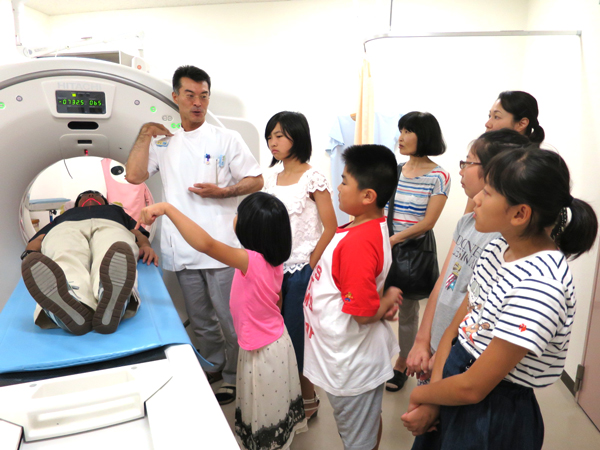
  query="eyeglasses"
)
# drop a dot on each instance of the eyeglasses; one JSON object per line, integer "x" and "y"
{"x": 463, "y": 164}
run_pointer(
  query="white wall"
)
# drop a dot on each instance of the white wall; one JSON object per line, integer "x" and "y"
{"x": 273, "y": 56}
{"x": 33, "y": 27}
{"x": 304, "y": 56}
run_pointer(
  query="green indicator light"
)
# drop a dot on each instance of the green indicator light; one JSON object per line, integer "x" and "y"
{"x": 73, "y": 94}
{"x": 2, "y": 105}
{"x": 153, "y": 108}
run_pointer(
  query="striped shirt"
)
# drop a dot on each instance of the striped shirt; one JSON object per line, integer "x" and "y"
{"x": 529, "y": 302}
{"x": 413, "y": 194}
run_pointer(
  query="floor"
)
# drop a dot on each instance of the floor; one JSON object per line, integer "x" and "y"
{"x": 567, "y": 426}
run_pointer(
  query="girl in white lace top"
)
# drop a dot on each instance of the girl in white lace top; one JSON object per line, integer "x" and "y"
{"x": 307, "y": 196}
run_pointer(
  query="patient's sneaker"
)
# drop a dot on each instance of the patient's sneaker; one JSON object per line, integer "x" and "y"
{"x": 117, "y": 277}
{"x": 47, "y": 284}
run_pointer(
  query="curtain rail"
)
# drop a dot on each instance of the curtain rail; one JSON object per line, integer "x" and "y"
{"x": 510, "y": 33}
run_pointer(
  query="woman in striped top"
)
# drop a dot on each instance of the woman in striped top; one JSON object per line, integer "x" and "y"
{"x": 423, "y": 189}
{"x": 511, "y": 333}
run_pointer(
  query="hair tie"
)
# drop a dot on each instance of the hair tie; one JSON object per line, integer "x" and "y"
{"x": 561, "y": 223}
{"x": 569, "y": 201}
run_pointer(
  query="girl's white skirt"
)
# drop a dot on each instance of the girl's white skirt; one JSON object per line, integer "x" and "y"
{"x": 269, "y": 408}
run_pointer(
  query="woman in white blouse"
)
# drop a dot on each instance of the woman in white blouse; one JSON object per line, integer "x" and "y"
{"x": 307, "y": 197}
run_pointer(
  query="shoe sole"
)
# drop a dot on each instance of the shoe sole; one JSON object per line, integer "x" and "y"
{"x": 117, "y": 275}
{"x": 392, "y": 388}
{"x": 47, "y": 284}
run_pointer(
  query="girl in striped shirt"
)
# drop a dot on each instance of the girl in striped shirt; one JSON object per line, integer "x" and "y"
{"x": 511, "y": 334}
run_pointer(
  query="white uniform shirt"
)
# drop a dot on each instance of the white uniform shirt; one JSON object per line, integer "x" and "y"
{"x": 207, "y": 154}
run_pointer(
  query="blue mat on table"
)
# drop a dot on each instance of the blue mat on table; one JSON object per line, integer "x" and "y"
{"x": 26, "y": 347}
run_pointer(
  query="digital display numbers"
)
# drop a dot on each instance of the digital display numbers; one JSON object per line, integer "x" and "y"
{"x": 80, "y": 102}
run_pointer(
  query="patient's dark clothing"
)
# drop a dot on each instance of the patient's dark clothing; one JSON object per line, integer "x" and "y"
{"x": 109, "y": 212}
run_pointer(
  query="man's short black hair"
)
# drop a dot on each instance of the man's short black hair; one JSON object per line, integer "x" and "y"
{"x": 263, "y": 225}
{"x": 373, "y": 167}
{"x": 191, "y": 72}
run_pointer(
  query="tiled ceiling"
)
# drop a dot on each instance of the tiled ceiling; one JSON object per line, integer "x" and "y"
{"x": 59, "y": 7}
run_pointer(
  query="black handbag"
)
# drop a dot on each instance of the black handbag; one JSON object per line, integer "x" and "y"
{"x": 414, "y": 262}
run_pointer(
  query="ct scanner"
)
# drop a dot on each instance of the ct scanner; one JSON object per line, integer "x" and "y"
{"x": 53, "y": 109}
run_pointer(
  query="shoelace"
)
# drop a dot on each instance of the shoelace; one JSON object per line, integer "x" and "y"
{"x": 72, "y": 288}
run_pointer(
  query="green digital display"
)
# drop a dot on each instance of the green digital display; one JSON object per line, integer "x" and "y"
{"x": 80, "y": 102}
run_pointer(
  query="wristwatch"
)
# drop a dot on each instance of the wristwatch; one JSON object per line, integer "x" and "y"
{"x": 27, "y": 252}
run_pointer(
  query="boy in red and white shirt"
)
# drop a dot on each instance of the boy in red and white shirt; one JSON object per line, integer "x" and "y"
{"x": 348, "y": 345}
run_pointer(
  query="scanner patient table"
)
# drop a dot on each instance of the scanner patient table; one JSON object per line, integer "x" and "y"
{"x": 141, "y": 387}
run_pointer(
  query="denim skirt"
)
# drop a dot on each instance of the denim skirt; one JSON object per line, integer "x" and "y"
{"x": 509, "y": 418}
{"x": 293, "y": 291}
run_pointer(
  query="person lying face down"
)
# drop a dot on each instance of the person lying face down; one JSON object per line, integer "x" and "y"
{"x": 81, "y": 268}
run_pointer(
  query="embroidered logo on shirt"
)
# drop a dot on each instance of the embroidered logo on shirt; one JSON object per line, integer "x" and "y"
{"x": 162, "y": 143}
{"x": 522, "y": 327}
{"x": 348, "y": 297}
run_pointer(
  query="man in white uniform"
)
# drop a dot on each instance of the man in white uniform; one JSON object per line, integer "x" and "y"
{"x": 203, "y": 169}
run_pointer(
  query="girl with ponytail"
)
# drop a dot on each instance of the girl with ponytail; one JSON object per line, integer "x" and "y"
{"x": 517, "y": 110}
{"x": 513, "y": 329}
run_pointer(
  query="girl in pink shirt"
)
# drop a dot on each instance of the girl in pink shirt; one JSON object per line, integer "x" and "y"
{"x": 269, "y": 407}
